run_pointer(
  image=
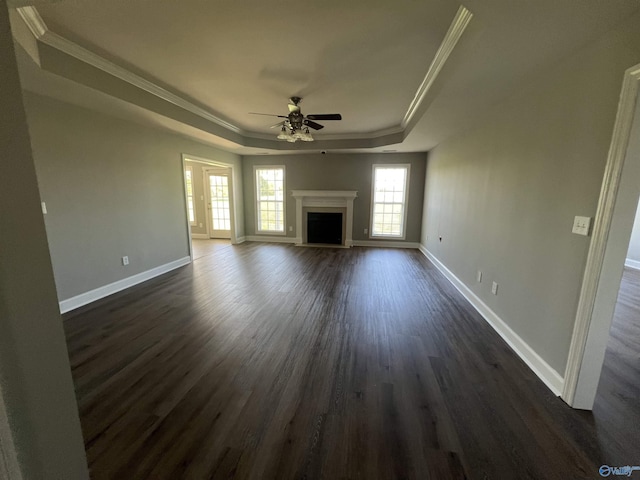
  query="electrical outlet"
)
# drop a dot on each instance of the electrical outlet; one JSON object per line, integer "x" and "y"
{"x": 200, "y": 225}
{"x": 479, "y": 276}
{"x": 366, "y": 230}
{"x": 291, "y": 228}
{"x": 44, "y": 208}
{"x": 125, "y": 260}
{"x": 494, "y": 288}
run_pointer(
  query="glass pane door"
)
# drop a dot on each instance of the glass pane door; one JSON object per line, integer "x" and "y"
{"x": 219, "y": 206}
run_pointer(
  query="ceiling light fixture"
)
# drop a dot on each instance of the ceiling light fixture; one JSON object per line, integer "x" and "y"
{"x": 293, "y": 133}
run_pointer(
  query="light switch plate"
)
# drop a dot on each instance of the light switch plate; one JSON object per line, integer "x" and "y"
{"x": 581, "y": 226}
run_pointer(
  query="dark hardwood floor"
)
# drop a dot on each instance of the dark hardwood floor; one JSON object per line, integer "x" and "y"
{"x": 266, "y": 361}
{"x": 618, "y": 400}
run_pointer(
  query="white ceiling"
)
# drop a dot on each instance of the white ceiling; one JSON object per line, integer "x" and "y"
{"x": 364, "y": 59}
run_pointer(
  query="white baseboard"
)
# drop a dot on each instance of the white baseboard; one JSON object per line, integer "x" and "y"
{"x": 240, "y": 240}
{"x": 269, "y": 238}
{"x": 200, "y": 236}
{"x": 101, "y": 292}
{"x": 632, "y": 264}
{"x": 382, "y": 243}
{"x": 542, "y": 369}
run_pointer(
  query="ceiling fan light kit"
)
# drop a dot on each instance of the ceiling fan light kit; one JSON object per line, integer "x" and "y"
{"x": 295, "y": 126}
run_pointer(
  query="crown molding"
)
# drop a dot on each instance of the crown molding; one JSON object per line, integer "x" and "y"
{"x": 456, "y": 29}
{"x": 33, "y": 20}
{"x": 39, "y": 29}
{"x": 41, "y": 32}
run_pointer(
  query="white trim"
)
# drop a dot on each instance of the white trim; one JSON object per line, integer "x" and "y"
{"x": 200, "y": 236}
{"x": 340, "y": 194}
{"x": 115, "y": 287}
{"x": 385, "y": 244}
{"x": 239, "y": 240}
{"x": 33, "y": 20}
{"x": 405, "y": 204}
{"x": 325, "y": 198}
{"x": 635, "y": 264}
{"x": 189, "y": 168}
{"x": 40, "y": 30}
{"x": 596, "y": 256}
{"x": 456, "y": 29}
{"x": 284, "y": 199}
{"x": 206, "y": 185}
{"x": 269, "y": 239}
{"x": 183, "y": 164}
{"x": 9, "y": 467}
{"x": 232, "y": 190}
{"x": 542, "y": 369}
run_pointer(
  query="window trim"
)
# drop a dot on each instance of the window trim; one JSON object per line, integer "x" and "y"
{"x": 284, "y": 200}
{"x": 194, "y": 223}
{"x": 403, "y": 234}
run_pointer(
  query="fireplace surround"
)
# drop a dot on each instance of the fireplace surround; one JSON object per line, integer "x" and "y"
{"x": 330, "y": 201}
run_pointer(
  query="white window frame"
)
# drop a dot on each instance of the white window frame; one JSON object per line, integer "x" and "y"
{"x": 256, "y": 168}
{"x": 405, "y": 202}
{"x": 189, "y": 168}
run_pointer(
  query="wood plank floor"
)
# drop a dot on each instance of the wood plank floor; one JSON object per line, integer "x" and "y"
{"x": 618, "y": 400}
{"x": 266, "y": 361}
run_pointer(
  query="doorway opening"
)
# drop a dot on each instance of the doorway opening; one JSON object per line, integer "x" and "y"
{"x": 209, "y": 203}
{"x": 607, "y": 252}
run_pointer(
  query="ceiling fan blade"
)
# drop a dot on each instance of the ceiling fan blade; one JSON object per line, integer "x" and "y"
{"x": 314, "y": 125}
{"x": 325, "y": 116}
{"x": 268, "y": 114}
{"x": 279, "y": 124}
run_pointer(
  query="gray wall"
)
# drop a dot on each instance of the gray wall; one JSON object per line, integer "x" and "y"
{"x": 35, "y": 377}
{"x": 337, "y": 171}
{"x": 112, "y": 188}
{"x": 503, "y": 195}
{"x": 634, "y": 244}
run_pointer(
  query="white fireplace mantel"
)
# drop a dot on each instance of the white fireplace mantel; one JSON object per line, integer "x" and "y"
{"x": 325, "y": 198}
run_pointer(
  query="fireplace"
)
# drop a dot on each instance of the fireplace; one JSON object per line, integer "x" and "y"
{"x": 335, "y": 208}
{"x": 324, "y": 227}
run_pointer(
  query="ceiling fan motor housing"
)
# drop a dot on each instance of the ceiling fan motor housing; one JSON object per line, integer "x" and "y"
{"x": 296, "y": 119}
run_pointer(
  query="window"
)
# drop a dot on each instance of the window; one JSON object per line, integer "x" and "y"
{"x": 188, "y": 178}
{"x": 270, "y": 199}
{"x": 389, "y": 200}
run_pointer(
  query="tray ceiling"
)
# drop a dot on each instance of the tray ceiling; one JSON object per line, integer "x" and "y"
{"x": 364, "y": 59}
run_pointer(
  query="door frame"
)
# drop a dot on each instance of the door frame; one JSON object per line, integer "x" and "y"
{"x": 207, "y": 192}
{"x": 213, "y": 163}
{"x": 605, "y": 259}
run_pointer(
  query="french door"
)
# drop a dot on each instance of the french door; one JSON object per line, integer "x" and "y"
{"x": 218, "y": 190}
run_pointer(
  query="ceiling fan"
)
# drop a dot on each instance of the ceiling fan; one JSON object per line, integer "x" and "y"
{"x": 295, "y": 126}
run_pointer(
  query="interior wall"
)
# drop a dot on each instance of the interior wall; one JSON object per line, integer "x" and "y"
{"x": 40, "y": 434}
{"x": 337, "y": 171}
{"x": 199, "y": 202}
{"x": 112, "y": 188}
{"x": 503, "y": 195}
{"x": 633, "y": 253}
